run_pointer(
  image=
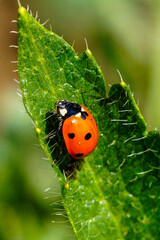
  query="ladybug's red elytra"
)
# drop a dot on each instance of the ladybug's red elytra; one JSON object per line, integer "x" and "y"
{"x": 79, "y": 128}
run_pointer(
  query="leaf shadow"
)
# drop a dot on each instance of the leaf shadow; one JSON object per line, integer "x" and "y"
{"x": 59, "y": 153}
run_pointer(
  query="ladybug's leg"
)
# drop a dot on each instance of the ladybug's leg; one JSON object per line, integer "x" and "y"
{"x": 55, "y": 138}
{"x": 60, "y": 124}
{"x": 59, "y": 127}
{"x": 50, "y": 114}
{"x": 73, "y": 166}
{"x": 54, "y": 133}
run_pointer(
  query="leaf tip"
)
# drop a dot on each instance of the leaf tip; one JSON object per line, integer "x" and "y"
{"x": 88, "y": 52}
{"x": 122, "y": 83}
{"x": 21, "y": 10}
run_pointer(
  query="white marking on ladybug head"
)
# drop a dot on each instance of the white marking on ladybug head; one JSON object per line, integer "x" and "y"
{"x": 78, "y": 115}
{"x": 82, "y": 109}
{"x": 63, "y": 111}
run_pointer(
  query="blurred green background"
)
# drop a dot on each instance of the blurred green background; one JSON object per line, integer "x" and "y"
{"x": 121, "y": 34}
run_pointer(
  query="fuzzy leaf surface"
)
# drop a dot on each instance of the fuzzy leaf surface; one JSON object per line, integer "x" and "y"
{"x": 116, "y": 193}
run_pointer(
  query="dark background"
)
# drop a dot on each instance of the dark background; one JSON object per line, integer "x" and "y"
{"x": 121, "y": 34}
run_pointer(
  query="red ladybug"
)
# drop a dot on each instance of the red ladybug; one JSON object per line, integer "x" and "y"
{"x": 79, "y": 128}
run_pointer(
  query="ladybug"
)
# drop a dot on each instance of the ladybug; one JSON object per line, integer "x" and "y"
{"x": 79, "y": 128}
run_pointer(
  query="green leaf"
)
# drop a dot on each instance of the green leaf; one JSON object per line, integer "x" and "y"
{"x": 116, "y": 192}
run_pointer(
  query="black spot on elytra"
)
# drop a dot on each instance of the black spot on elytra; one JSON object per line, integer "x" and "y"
{"x": 88, "y": 136}
{"x": 79, "y": 155}
{"x": 71, "y": 135}
{"x": 83, "y": 115}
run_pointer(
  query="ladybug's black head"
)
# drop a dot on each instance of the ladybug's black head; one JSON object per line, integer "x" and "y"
{"x": 61, "y": 107}
{"x": 61, "y": 104}
{"x": 67, "y": 109}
